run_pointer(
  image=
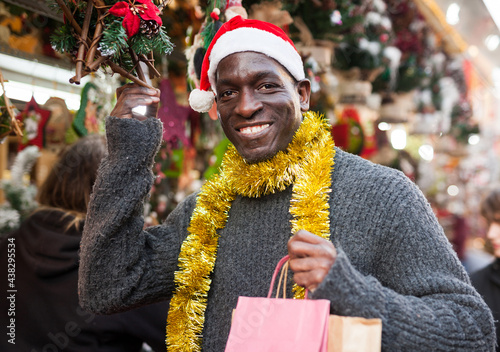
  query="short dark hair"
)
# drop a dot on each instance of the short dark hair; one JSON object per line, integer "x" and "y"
{"x": 69, "y": 184}
{"x": 490, "y": 206}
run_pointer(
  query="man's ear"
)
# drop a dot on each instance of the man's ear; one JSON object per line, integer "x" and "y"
{"x": 304, "y": 90}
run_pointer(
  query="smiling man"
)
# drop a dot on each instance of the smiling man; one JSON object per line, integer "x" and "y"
{"x": 358, "y": 234}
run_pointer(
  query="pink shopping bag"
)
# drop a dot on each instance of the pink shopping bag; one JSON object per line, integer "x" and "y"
{"x": 279, "y": 324}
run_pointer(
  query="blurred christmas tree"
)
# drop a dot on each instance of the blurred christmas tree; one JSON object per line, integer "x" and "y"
{"x": 361, "y": 29}
{"x": 411, "y": 38}
{"x": 20, "y": 195}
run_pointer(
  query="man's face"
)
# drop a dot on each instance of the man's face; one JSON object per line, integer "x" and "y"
{"x": 259, "y": 104}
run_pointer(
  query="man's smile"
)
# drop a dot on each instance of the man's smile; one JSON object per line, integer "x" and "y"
{"x": 251, "y": 130}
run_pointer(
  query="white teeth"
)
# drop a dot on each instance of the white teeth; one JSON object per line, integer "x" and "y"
{"x": 254, "y": 129}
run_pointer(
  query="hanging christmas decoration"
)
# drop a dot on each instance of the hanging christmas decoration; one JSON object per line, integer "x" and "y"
{"x": 115, "y": 34}
{"x": 235, "y": 8}
{"x": 58, "y": 124}
{"x": 86, "y": 121}
{"x": 213, "y": 21}
{"x": 8, "y": 112}
{"x": 217, "y": 12}
{"x": 348, "y": 133}
{"x": 34, "y": 120}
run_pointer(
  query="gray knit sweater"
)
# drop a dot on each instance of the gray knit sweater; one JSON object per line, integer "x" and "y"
{"x": 394, "y": 261}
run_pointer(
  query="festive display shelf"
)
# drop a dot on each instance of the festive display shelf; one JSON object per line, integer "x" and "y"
{"x": 433, "y": 14}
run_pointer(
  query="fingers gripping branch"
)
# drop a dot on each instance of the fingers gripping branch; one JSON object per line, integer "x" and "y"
{"x": 131, "y": 96}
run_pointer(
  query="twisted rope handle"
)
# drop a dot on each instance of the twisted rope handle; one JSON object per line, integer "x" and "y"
{"x": 284, "y": 270}
{"x": 282, "y": 263}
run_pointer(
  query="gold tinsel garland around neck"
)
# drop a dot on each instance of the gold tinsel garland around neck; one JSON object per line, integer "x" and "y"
{"x": 307, "y": 163}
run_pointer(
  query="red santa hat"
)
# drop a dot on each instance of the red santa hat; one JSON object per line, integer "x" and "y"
{"x": 238, "y": 35}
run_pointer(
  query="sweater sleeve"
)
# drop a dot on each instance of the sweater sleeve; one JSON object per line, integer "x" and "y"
{"x": 121, "y": 265}
{"x": 415, "y": 283}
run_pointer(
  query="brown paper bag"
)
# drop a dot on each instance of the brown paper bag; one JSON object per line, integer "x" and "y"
{"x": 353, "y": 334}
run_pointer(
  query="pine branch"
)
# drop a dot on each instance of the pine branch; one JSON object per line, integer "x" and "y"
{"x": 210, "y": 29}
{"x": 140, "y": 44}
{"x": 208, "y": 34}
{"x": 63, "y": 39}
{"x": 161, "y": 42}
{"x": 114, "y": 39}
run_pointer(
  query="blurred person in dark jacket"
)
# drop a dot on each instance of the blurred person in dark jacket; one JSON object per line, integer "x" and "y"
{"x": 487, "y": 280}
{"x": 40, "y": 262}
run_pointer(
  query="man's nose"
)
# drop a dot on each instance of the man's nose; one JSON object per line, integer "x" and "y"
{"x": 248, "y": 103}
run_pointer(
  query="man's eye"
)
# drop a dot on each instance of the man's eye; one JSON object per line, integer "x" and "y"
{"x": 226, "y": 93}
{"x": 267, "y": 86}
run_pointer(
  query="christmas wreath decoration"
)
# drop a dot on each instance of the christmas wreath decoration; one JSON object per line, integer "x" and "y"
{"x": 118, "y": 34}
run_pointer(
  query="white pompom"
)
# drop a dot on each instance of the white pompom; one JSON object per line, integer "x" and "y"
{"x": 201, "y": 100}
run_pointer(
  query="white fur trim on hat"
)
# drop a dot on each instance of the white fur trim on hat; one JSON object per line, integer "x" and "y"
{"x": 201, "y": 100}
{"x": 260, "y": 41}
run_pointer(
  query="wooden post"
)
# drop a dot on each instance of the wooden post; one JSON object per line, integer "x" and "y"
{"x": 137, "y": 66}
{"x": 97, "y": 35}
{"x": 81, "y": 50}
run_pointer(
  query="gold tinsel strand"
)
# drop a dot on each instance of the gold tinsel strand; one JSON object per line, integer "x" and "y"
{"x": 309, "y": 204}
{"x": 308, "y": 161}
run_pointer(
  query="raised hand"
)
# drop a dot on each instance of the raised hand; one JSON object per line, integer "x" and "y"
{"x": 130, "y": 96}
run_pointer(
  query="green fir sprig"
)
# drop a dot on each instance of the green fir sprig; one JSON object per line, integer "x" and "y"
{"x": 63, "y": 39}
{"x": 114, "y": 39}
{"x": 210, "y": 26}
{"x": 160, "y": 43}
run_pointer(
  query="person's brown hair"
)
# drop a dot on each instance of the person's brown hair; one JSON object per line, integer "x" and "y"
{"x": 490, "y": 207}
{"x": 69, "y": 184}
